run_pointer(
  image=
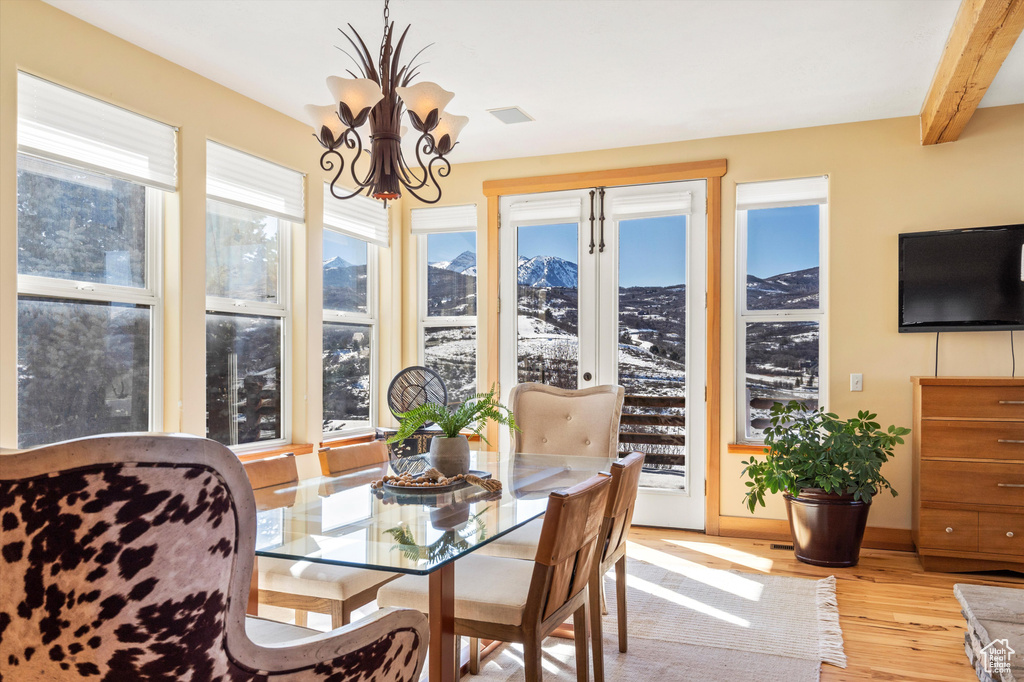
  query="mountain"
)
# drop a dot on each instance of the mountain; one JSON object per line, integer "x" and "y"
{"x": 788, "y": 291}
{"x": 336, "y": 262}
{"x": 547, "y": 271}
{"x": 342, "y": 280}
{"x": 464, "y": 263}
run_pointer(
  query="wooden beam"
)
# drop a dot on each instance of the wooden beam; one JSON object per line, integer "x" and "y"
{"x": 983, "y": 34}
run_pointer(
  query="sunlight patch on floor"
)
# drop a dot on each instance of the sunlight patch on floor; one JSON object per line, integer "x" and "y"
{"x": 714, "y": 577}
{"x": 686, "y": 602}
{"x": 735, "y": 556}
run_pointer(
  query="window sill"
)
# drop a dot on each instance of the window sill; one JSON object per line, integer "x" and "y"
{"x": 745, "y": 449}
{"x": 294, "y": 448}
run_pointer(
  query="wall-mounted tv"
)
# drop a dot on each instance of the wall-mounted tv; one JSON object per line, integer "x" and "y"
{"x": 962, "y": 280}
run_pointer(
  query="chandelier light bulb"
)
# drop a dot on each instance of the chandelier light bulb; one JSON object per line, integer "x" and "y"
{"x": 355, "y": 98}
{"x": 325, "y": 116}
{"x": 446, "y": 134}
{"x": 424, "y": 101}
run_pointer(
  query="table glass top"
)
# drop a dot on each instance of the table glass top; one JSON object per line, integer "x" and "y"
{"x": 340, "y": 520}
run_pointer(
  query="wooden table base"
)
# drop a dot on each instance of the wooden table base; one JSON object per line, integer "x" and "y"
{"x": 442, "y": 666}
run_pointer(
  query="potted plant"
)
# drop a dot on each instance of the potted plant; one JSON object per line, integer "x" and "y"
{"x": 449, "y": 452}
{"x": 828, "y": 469}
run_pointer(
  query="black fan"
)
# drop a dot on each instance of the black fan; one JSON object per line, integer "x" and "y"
{"x": 415, "y": 386}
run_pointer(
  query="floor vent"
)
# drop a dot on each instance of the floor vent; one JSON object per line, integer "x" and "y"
{"x": 787, "y": 547}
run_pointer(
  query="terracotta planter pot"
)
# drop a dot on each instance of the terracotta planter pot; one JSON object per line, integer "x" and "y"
{"x": 827, "y": 528}
{"x": 450, "y": 456}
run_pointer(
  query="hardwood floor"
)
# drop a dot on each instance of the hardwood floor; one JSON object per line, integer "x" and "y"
{"x": 899, "y": 622}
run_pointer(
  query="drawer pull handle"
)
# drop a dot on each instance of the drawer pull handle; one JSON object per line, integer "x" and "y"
{"x": 1009, "y": 534}
{"x": 1007, "y": 440}
{"x": 1011, "y": 402}
{"x": 949, "y": 529}
{"x": 1010, "y": 485}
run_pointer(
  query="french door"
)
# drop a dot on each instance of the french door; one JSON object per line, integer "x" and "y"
{"x": 607, "y": 285}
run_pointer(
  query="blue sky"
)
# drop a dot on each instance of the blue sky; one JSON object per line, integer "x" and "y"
{"x": 447, "y": 245}
{"x": 351, "y": 249}
{"x": 782, "y": 240}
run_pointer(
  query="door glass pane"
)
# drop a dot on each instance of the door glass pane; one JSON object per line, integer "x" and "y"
{"x": 344, "y": 273}
{"x": 78, "y": 225}
{"x": 783, "y": 257}
{"x": 347, "y": 349}
{"x": 451, "y": 352}
{"x": 83, "y": 369}
{"x": 652, "y": 345}
{"x": 451, "y": 274}
{"x": 782, "y": 365}
{"x": 548, "y": 304}
{"x": 243, "y": 378}
{"x": 242, "y": 253}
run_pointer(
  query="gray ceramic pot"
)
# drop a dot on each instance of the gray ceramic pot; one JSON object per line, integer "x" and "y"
{"x": 450, "y": 456}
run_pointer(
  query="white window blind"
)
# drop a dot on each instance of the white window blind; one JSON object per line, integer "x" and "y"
{"x": 360, "y": 217}
{"x": 781, "y": 193}
{"x": 443, "y": 219}
{"x": 645, "y": 204}
{"x": 546, "y": 210}
{"x": 245, "y": 180}
{"x": 66, "y": 126}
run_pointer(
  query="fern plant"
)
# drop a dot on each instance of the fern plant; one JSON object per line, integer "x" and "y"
{"x": 471, "y": 415}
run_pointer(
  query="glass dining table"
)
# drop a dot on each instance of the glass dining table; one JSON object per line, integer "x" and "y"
{"x": 341, "y": 520}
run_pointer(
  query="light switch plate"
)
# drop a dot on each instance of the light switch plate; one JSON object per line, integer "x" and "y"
{"x": 856, "y": 382}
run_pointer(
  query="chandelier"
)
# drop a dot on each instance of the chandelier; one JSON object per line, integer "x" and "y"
{"x": 378, "y": 97}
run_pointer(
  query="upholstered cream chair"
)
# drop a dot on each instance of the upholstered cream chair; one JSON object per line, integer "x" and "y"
{"x": 129, "y": 558}
{"x": 518, "y": 601}
{"x": 311, "y": 586}
{"x": 563, "y": 422}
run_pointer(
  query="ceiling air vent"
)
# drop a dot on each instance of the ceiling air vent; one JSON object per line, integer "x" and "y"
{"x": 511, "y": 115}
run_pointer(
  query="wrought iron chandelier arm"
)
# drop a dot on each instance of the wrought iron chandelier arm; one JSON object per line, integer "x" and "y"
{"x": 328, "y": 164}
{"x": 426, "y": 143}
{"x": 442, "y": 172}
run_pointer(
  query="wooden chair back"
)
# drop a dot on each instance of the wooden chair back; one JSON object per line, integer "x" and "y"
{"x": 334, "y": 461}
{"x": 567, "y": 547}
{"x": 265, "y": 475}
{"x": 564, "y": 422}
{"x": 618, "y": 515}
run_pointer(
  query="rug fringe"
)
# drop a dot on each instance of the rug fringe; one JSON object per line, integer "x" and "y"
{"x": 830, "y": 638}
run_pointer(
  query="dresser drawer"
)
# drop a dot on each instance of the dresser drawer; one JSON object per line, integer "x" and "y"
{"x": 943, "y": 529}
{"x": 975, "y": 439}
{"x": 973, "y": 402}
{"x": 972, "y": 482}
{"x": 1001, "y": 533}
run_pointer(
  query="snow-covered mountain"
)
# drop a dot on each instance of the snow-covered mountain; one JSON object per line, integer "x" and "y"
{"x": 789, "y": 291}
{"x": 547, "y": 271}
{"x": 336, "y": 262}
{"x": 464, "y": 263}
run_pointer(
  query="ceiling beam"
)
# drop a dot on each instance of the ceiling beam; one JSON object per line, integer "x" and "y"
{"x": 983, "y": 34}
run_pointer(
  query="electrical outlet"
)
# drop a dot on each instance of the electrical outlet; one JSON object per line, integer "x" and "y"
{"x": 856, "y": 382}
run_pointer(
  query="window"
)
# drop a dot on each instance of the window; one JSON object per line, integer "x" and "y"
{"x": 448, "y": 295}
{"x": 353, "y": 231}
{"x": 90, "y": 179}
{"x": 251, "y": 204}
{"x": 782, "y": 229}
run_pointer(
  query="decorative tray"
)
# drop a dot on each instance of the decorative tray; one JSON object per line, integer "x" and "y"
{"x": 412, "y": 489}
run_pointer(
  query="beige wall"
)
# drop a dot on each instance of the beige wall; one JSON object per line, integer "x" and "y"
{"x": 882, "y": 182}
{"x": 39, "y": 39}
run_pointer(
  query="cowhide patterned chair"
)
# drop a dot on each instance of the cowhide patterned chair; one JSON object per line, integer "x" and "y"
{"x": 129, "y": 557}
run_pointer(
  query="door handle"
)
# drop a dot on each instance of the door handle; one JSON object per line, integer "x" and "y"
{"x": 587, "y": 376}
{"x": 1010, "y": 485}
{"x": 600, "y": 246}
{"x": 591, "y": 221}
{"x": 1011, "y": 402}
{"x": 1007, "y": 440}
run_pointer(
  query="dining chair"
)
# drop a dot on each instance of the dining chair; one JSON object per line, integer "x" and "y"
{"x": 129, "y": 557}
{"x": 522, "y": 543}
{"x": 518, "y": 601}
{"x": 559, "y": 421}
{"x": 310, "y": 586}
{"x": 336, "y": 460}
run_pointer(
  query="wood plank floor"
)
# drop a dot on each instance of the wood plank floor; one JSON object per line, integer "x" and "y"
{"x": 899, "y": 622}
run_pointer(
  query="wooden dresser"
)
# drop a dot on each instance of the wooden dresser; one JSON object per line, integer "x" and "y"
{"x": 968, "y": 444}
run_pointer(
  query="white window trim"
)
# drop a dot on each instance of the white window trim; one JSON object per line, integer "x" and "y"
{"x": 280, "y": 310}
{"x": 371, "y": 319}
{"x": 151, "y": 295}
{"x": 743, "y": 316}
{"x": 424, "y": 320}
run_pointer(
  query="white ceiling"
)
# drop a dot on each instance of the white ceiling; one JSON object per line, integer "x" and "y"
{"x": 594, "y": 74}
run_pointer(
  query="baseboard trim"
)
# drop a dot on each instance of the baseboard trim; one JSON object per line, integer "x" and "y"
{"x": 898, "y": 539}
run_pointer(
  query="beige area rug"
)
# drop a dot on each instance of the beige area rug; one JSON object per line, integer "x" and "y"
{"x": 690, "y": 622}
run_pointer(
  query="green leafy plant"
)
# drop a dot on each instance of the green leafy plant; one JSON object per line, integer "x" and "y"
{"x": 816, "y": 449}
{"x": 471, "y": 415}
{"x": 451, "y": 543}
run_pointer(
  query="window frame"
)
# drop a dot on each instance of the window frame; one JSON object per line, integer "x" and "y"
{"x": 280, "y": 310}
{"x": 424, "y": 320}
{"x": 371, "y": 319}
{"x": 151, "y": 295}
{"x": 743, "y": 316}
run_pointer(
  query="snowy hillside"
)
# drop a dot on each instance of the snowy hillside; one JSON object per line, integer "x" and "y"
{"x": 547, "y": 271}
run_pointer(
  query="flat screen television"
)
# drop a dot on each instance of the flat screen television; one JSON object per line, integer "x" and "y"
{"x": 962, "y": 280}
